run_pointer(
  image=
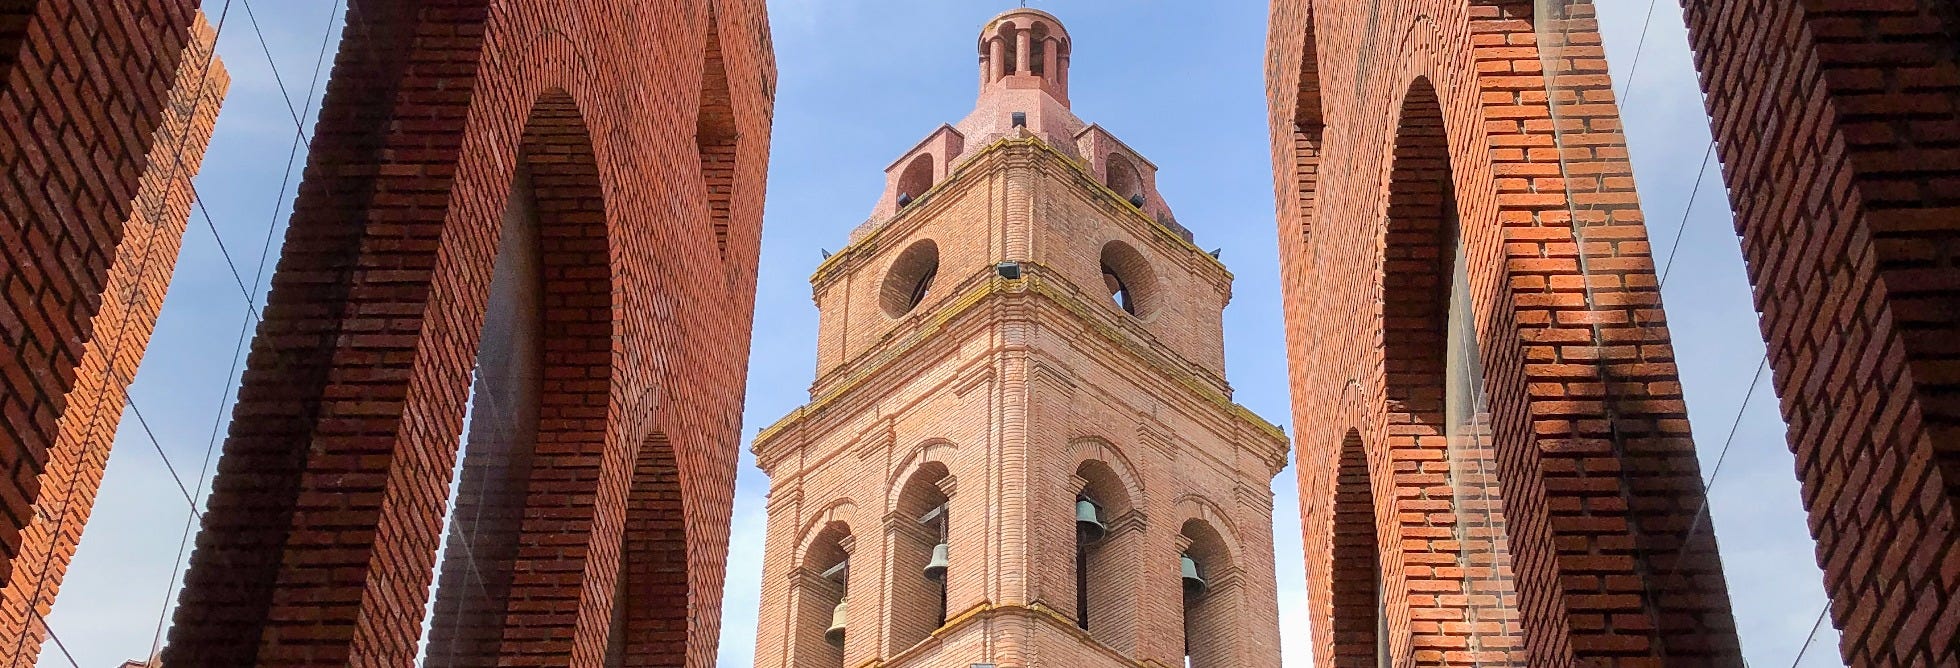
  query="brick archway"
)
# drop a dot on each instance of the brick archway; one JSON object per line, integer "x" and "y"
{"x": 1586, "y": 430}
{"x": 326, "y": 512}
{"x": 651, "y": 611}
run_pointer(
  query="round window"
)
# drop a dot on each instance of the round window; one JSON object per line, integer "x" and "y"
{"x": 1127, "y": 277}
{"x": 910, "y": 278}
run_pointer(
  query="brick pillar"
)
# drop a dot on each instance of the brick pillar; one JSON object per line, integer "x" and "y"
{"x": 1533, "y": 499}
{"x": 319, "y": 542}
{"x": 72, "y": 177}
{"x": 1836, "y": 124}
{"x": 138, "y": 279}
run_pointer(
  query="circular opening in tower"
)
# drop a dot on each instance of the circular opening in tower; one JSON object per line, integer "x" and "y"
{"x": 910, "y": 278}
{"x": 1127, "y": 277}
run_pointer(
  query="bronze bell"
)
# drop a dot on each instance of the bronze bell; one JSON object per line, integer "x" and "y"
{"x": 1088, "y": 522}
{"x": 1194, "y": 583}
{"x": 936, "y": 569}
{"x": 835, "y": 634}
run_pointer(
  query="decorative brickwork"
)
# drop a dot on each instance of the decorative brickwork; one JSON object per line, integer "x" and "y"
{"x": 443, "y": 118}
{"x": 1021, "y": 327}
{"x": 1838, "y": 124}
{"x": 138, "y": 279}
{"x": 1526, "y": 452}
{"x": 83, "y": 86}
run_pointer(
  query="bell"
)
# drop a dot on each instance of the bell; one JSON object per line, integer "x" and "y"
{"x": 1088, "y": 523}
{"x": 835, "y": 634}
{"x": 1194, "y": 584}
{"x": 936, "y": 569}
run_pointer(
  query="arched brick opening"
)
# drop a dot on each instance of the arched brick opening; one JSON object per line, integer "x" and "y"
{"x": 918, "y": 523}
{"x": 1107, "y": 569}
{"x": 1122, "y": 176}
{"x": 652, "y": 605}
{"x": 1450, "y": 525}
{"x": 1211, "y": 622}
{"x": 715, "y": 136}
{"x": 915, "y": 180}
{"x": 1359, "y": 604}
{"x": 1308, "y": 127}
{"x": 542, "y": 386}
{"x": 823, "y": 583}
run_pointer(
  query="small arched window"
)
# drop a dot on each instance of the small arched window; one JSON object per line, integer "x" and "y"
{"x": 1122, "y": 176}
{"x": 915, "y": 180}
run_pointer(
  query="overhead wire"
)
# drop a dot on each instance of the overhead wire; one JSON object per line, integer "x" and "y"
{"x": 152, "y": 214}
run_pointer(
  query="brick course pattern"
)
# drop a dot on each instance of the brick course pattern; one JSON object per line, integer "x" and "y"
{"x": 1564, "y": 536}
{"x": 1838, "y": 126}
{"x": 83, "y": 87}
{"x": 320, "y": 541}
{"x": 138, "y": 280}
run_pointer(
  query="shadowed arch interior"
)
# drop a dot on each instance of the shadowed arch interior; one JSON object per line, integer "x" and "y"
{"x": 1211, "y": 623}
{"x": 542, "y": 386}
{"x": 1357, "y": 586}
{"x": 1308, "y": 126}
{"x": 651, "y": 605}
{"x": 823, "y": 583}
{"x": 918, "y": 603}
{"x": 715, "y": 137}
{"x": 915, "y": 180}
{"x": 1439, "y": 436}
{"x": 1106, "y": 570}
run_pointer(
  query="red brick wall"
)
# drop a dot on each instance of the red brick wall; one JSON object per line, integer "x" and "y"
{"x": 1840, "y": 144}
{"x": 137, "y": 281}
{"x": 320, "y": 539}
{"x": 83, "y": 86}
{"x": 1380, "y": 112}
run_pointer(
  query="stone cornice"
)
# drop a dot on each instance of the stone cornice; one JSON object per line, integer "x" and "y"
{"x": 983, "y": 289}
{"x": 988, "y": 161}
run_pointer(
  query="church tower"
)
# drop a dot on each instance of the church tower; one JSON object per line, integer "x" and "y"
{"x": 1020, "y": 449}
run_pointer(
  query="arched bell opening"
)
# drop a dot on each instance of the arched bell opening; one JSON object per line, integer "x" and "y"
{"x": 921, "y": 562}
{"x": 1210, "y": 622}
{"x": 1107, "y": 559}
{"x": 823, "y": 618}
{"x": 549, "y": 300}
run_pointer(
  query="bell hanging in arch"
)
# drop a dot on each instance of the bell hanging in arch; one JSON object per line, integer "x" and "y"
{"x": 1194, "y": 583}
{"x": 1088, "y": 522}
{"x": 835, "y": 634}
{"x": 936, "y": 569}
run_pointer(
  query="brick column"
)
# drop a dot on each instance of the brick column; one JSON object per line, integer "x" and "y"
{"x": 1836, "y": 125}
{"x": 72, "y": 172}
{"x": 138, "y": 279}
{"x": 319, "y": 542}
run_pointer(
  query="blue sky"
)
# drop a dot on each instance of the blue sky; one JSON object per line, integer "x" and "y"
{"x": 863, "y": 80}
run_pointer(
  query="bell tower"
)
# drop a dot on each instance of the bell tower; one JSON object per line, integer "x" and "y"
{"x": 1020, "y": 448}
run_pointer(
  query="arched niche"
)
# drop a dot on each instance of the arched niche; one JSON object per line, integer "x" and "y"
{"x": 550, "y": 296}
{"x": 1436, "y": 411}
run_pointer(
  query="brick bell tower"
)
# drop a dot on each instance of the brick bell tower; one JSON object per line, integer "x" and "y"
{"x": 1020, "y": 448}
